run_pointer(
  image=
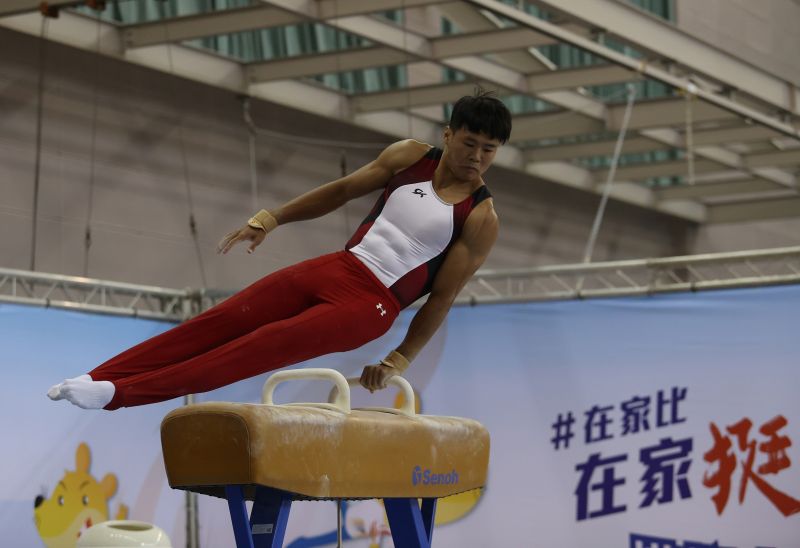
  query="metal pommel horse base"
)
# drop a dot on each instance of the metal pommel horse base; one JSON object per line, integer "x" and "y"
{"x": 274, "y": 454}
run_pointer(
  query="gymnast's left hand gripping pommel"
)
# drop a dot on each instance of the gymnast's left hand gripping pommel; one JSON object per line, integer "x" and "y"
{"x": 255, "y": 231}
{"x": 339, "y": 397}
{"x": 376, "y": 377}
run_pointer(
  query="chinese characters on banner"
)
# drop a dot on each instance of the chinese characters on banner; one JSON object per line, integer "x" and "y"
{"x": 665, "y": 465}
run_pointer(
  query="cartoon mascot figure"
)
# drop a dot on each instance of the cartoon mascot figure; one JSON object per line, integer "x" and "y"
{"x": 78, "y": 501}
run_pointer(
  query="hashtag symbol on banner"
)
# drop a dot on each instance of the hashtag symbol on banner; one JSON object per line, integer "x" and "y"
{"x": 563, "y": 430}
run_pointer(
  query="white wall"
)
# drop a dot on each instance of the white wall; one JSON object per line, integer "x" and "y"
{"x": 762, "y": 32}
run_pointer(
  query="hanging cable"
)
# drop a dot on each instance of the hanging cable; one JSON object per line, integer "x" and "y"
{"x": 252, "y": 134}
{"x": 691, "y": 93}
{"x": 182, "y": 148}
{"x": 343, "y": 114}
{"x": 87, "y": 241}
{"x": 340, "y": 80}
{"x": 407, "y": 57}
{"x": 587, "y": 256}
{"x": 37, "y": 170}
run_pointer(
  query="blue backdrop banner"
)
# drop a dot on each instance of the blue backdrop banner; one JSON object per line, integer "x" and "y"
{"x": 665, "y": 421}
{"x": 64, "y": 468}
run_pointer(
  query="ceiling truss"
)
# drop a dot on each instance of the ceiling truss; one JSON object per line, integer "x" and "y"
{"x": 559, "y": 282}
{"x": 742, "y": 137}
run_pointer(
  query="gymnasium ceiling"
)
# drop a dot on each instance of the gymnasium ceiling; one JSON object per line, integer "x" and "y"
{"x": 739, "y": 123}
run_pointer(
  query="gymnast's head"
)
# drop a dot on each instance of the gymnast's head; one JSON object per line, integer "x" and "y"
{"x": 479, "y": 125}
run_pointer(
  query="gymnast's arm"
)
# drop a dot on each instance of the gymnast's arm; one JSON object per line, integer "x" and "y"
{"x": 330, "y": 196}
{"x": 463, "y": 259}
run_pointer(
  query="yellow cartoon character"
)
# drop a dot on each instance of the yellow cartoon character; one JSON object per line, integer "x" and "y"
{"x": 78, "y": 502}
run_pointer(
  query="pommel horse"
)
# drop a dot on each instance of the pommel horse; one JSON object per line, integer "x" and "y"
{"x": 274, "y": 454}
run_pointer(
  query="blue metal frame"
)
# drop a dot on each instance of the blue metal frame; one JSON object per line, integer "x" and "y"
{"x": 411, "y": 526}
{"x": 266, "y": 526}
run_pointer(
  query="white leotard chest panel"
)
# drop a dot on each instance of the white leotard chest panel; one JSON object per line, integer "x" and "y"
{"x": 414, "y": 226}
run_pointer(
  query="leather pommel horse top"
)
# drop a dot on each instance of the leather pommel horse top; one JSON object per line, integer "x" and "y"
{"x": 323, "y": 451}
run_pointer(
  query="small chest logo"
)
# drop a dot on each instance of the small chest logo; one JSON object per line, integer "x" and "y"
{"x": 379, "y": 306}
{"x": 418, "y": 192}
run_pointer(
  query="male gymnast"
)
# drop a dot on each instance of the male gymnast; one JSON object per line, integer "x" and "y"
{"x": 431, "y": 228}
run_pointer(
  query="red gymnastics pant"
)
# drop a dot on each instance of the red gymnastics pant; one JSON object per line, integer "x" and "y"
{"x": 329, "y": 304}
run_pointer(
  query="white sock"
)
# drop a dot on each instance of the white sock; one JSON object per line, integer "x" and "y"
{"x": 55, "y": 391}
{"x": 88, "y": 394}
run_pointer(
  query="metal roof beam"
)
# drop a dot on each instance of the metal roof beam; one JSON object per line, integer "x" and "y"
{"x": 754, "y": 210}
{"x": 595, "y": 148}
{"x": 323, "y": 63}
{"x": 338, "y": 8}
{"x": 646, "y": 144}
{"x": 553, "y": 125}
{"x": 657, "y": 169}
{"x": 81, "y": 32}
{"x": 578, "y": 177}
{"x": 716, "y": 189}
{"x": 650, "y": 114}
{"x": 573, "y": 78}
{"x": 207, "y": 24}
{"x": 473, "y": 21}
{"x": 71, "y": 29}
{"x": 416, "y": 47}
{"x": 665, "y": 112}
{"x": 412, "y": 97}
{"x": 778, "y": 158}
{"x": 720, "y": 155}
{"x": 14, "y": 7}
{"x": 485, "y": 69}
{"x": 488, "y": 41}
{"x": 727, "y": 135}
{"x": 655, "y": 35}
{"x": 470, "y": 20}
{"x": 256, "y": 17}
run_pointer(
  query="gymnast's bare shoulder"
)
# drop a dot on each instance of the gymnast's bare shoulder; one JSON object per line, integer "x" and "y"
{"x": 403, "y": 154}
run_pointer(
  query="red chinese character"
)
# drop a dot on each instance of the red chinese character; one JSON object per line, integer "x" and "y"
{"x": 775, "y": 448}
{"x": 777, "y": 460}
{"x": 727, "y": 464}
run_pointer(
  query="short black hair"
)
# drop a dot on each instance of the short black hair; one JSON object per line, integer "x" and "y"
{"x": 482, "y": 112}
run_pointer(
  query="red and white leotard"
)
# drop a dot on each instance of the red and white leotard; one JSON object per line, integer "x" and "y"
{"x": 405, "y": 238}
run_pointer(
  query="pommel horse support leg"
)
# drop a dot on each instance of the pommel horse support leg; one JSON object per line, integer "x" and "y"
{"x": 274, "y": 454}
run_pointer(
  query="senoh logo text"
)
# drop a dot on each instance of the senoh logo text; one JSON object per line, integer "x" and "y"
{"x": 420, "y": 476}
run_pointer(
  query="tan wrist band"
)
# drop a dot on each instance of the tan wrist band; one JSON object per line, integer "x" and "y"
{"x": 396, "y": 360}
{"x": 263, "y": 220}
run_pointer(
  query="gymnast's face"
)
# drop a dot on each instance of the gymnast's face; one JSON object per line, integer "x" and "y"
{"x": 469, "y": 155}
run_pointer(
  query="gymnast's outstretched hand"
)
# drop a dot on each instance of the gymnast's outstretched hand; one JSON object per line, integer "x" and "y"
{"x": 375, "y": 377}
{"x": 256, "y": 229}
{"x": 245, "y": 234}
